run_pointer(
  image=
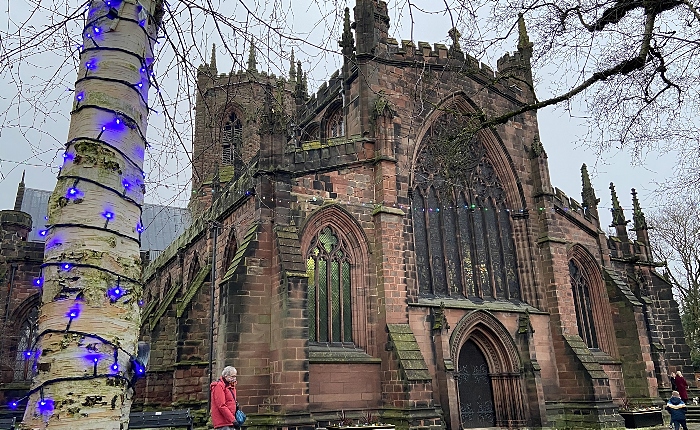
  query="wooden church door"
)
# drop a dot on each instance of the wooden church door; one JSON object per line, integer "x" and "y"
{"x": 474, "y": 387}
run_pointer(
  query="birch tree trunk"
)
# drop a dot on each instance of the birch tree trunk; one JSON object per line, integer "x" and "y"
{"x": 89, "y": 319}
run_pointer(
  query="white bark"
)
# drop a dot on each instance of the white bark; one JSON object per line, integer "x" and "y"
{"x": 101, "y": 251}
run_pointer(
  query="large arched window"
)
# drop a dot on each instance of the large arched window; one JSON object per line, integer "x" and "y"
{"x": 329, "y": 295}
{"x": 231, "y": 138}
{"x": 463, "y": 236}
{"x": 24, "y": 366}
{"x": 583, "y": 305}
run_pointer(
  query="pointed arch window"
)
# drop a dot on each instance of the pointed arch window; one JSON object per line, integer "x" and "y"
{"x": 24, "y": 367}
{"x": 230, "y": 253}
{"x": 231, "y": 138}
{"x": 310, "y": 133}
{"x": 336, "y": 125}
{"x": 165, "y": 288}
{"x": 328, "y": 266}
{"x": 462, "y": 227}
{"x": 580, "y": 287}
{"x": 194, "y": 269}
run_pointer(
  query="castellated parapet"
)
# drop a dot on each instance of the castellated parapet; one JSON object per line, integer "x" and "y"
{"x": 512, "y": 75}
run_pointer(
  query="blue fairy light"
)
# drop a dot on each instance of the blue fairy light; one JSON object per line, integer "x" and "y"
{"x": 108, "y": 215}
{"x": 66, "y": 266}
{"x": 138, "y": 368}
{"x": 38, "y": 282}
{"x": 67, "y": 156}
{"x": 92, "y": 357}
{"x": 126, "y": 184}
{"x": 73, "y": 193}
{"x": 115, "y": 293}
{"x": 139, "y": 228}
{"x": 45, "y": 406}
{"x": 13, "y": 405}
{"x": 56, "y": 240}
{"x": 28, "y": 354}
{"x": 73, "y": 312}
{"x": 80, "y": 96}
{"x": 115, "y": 367}
{"x": 91, "y": 64}
{"x": 97, "y": 30}
{"x": 43, "y": 233}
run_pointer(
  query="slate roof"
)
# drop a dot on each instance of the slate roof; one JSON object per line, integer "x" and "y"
{"x": 163, "y": 224}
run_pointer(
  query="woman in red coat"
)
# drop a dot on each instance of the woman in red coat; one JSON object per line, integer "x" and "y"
{"x": 223, "y": 400}
{"x": 681, "y": 386}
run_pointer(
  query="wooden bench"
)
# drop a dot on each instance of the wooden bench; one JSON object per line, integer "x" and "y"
{"x": 7, "y": 423}
{"x": 146, "y": 420}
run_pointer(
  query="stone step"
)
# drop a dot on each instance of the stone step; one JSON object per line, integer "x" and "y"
{"x": 693, "y": 414}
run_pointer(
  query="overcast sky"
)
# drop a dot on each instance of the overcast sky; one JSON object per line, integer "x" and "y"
{"x": 38, "y": 149}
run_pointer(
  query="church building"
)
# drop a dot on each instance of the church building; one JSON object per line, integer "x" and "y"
{"x": 370, "y": 253}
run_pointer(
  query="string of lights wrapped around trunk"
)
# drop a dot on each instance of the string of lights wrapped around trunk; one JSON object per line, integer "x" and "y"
{"x": 84, "y": 354}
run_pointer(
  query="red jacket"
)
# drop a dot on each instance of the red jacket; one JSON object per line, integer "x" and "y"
{"x": 223, "y": 404}
{"x": 682, "y": 387}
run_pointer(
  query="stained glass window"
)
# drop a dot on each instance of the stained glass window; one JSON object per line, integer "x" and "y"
{"x": 462, "y": 228}
{"x": 329, "y": 310}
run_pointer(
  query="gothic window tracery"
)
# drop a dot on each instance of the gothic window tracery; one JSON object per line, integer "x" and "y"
{"x": 231, "y": 138}
{"x": 336, "y": 125}
{"x": 582, "y": 303}
{"x": 329, "y": 304}
{"x": 461, "y": 224}
{"x": 311, "y": 133}
{"x": 24, "y": 366}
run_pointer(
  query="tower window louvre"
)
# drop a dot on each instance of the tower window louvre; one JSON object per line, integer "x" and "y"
{"x": 231, "y": 138}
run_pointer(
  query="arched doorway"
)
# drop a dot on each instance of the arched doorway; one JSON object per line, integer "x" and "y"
{"x": 487, "y": 378}
{"x": 474, "y": 388}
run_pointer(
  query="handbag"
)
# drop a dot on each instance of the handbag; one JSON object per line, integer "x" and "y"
{"x": 240, "y": 417}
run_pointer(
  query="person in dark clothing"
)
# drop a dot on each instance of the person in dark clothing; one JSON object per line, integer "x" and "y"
{"x": 677, "y": 408}
{"x": 681, "y": 386}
